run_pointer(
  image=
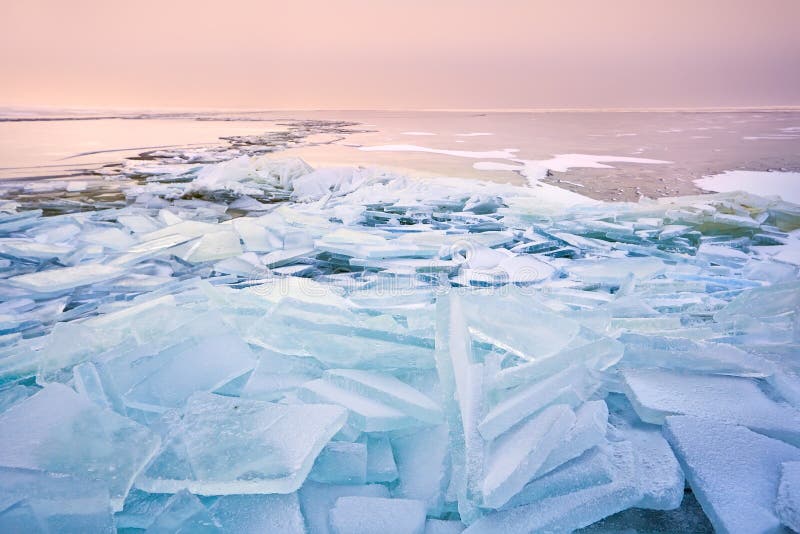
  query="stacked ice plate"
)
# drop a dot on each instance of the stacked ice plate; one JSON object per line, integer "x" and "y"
{"x": 380, "y": 354}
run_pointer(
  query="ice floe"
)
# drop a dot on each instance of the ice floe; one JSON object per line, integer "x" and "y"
{"x": 259, "y": 346}
{"x": 783, "y": 184}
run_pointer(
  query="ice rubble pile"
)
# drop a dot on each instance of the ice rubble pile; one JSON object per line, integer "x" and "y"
{"x": 391, "y": 355}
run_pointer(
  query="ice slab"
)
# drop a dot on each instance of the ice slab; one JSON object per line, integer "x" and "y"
{"x": 254, "y": 514}
{"x": 156, "y": 380}
{"x": 733, "y": 471}
{"x": 9, "y": 396}
{"x": 53, "y": 281}
{"x": 341, "y": 462}
{"x": 277, "y": 374}
{"x": 381, "y": 464}
{"x": 422, "y": 460}
{"x": 461, "y": 383}
{"x": 184, "y": 513}
{"x": 651, "y": 350}
{"x": 316, "y": 500}
{"x": 593, "y": 468}
{"x": 58, "y": 431}
{"x": 35, "y": 501}
{"x": 367, "y": 515}
{"x": 575, "y": 509}
{"x": 614, "y": 271}
{"x": 365, "y": 413}
{"x": 497, "y": 321}
{"x": 266, "y": 451}
{"x": 516, "y": 456}
{"x": 660, "y": 477}
{"x": 388, "y": 390}
{"x": 588, "y": 431}
{"x": 214, "y": 246}
{"x": 529, "y": 399}
{"x": 140, "y": 509}
{"x": 656, "y": 394}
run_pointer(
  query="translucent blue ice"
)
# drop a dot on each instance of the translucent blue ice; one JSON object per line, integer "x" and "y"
{"x": 257, "y": 346}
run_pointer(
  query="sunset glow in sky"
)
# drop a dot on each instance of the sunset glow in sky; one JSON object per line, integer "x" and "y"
{"x": 306, "y": 54}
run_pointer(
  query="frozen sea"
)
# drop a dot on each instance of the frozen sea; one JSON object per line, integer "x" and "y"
{"x": 486, "y": 145}
{"x": 412, "y": 323}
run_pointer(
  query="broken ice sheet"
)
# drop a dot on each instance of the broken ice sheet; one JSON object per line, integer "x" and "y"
{"x": 225, "y": 445}
{"x": 54, "y": 281}
{"x": 58, "y": 431}
{"x": 165, "y": 377}
{"x": 340, "y": 297}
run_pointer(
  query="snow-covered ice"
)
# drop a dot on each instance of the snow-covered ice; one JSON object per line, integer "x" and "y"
{"x": 783, "y": 184}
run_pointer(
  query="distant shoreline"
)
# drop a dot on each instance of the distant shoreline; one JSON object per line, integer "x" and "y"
{"x": 24, "y": 114}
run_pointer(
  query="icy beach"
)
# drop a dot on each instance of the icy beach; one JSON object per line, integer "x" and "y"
{"x": 255, "y": 345}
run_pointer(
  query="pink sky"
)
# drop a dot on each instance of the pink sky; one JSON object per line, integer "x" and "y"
{"x": 303, "y": 54}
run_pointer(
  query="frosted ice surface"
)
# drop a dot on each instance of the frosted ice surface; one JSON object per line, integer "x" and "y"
{"x": 660, "y": 478}
{"x": 255, "y": 514}
{"x": 265, "y": 450}
{"x": 658, "y": 394}
{"x": 571, "y": 510}
{"x": 367, "y": 515}
{"x": 738, "y": 499}
{"x": 592, "y": 468}
{"x": 787, "y": 505}
{"x": 589, "y": 430}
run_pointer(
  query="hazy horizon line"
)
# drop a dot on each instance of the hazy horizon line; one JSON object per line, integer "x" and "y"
{"x": 585, "y": 109}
